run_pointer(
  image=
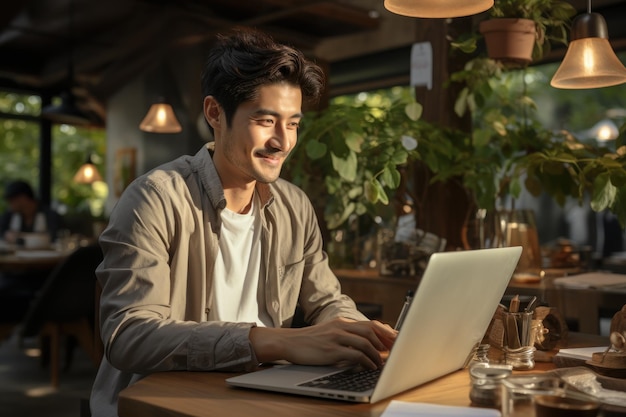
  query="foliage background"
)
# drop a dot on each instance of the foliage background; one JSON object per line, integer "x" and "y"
{"x": 19, "y": 156}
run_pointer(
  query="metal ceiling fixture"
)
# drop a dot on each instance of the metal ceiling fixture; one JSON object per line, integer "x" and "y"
{"x": 67, "y": 112}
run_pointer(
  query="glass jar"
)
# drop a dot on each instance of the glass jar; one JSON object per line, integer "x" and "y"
{"x": 485, "y": 380}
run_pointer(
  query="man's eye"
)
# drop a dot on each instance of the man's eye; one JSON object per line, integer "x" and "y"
{"x": 266, "y": 122}
{"x": 294, "y": 125}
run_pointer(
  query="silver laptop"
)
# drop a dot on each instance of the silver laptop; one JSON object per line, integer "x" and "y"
{"x": 450, "y": 312}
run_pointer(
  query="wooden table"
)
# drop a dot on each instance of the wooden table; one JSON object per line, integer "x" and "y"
{"x": 582, "y": 306}
{"x": 206, "y": 394}
{"x": 26, "y": 261}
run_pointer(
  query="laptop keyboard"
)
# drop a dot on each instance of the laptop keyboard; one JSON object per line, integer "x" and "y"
{"x": 348, "y": 380}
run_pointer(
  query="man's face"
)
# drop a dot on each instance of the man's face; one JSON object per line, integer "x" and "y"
{"x": 262, "y": 134}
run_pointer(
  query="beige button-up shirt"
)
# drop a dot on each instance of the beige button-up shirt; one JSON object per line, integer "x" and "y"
{"x": 157, "y": 276}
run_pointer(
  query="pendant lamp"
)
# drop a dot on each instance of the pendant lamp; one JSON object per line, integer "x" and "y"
{"x": 87, "y": 173}
{"x": 160, "y": 119}
{"x": 437, "y": 8}
{"x": 589, "y": 61}
{"x": 67, "y": 112}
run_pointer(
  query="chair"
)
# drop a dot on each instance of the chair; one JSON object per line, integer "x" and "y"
{"x": 65, "y": 306}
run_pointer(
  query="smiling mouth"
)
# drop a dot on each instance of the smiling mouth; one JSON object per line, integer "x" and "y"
{"x": 274, "y": 156}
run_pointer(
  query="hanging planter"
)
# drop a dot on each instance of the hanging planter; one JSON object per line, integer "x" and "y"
{"x": 509, "y": 40}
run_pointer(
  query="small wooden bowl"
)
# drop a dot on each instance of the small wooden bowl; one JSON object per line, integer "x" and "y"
{"x": 560, "y": 406}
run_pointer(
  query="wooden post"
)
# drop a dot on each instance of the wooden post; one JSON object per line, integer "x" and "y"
{"x": 442, "y": 208}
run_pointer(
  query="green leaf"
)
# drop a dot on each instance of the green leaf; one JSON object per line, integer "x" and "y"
{"x": 355, "y": 192}
{"x": 386, "y": 176}
{"x": 499, "y": 128}
{"x": 467, "y": 46}
{"x": 515, "y": 188}
{"x": 603, "y": 193}
{"x": 399, "y": 157}
{"x": 360, "y": 209}
{"x": 382, "y": 195}
{"x": 391, "y": 177}
{"x": 371, "y": 192}
{"x": 315, "y": 149}
{"x": 460, "y": 105}
{"x": 334, "y": 220}
{"x": 533, "y": 185}
{"x": 414, "y": 111}
{"x": 354, "y": 141}
{"x": 346, "y": 168}
{"x": 333, "y": 184}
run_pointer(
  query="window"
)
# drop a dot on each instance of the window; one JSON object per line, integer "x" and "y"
{"x": 20, "y": 132}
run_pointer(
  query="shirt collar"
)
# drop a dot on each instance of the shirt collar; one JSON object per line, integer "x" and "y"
{"x": 203, "y": 164}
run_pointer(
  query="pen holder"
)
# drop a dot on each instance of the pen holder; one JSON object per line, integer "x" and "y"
{"x": 519, "y": 340}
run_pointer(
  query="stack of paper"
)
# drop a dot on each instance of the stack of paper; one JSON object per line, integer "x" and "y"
{"x": 408, "y": 409}
{"x": 581, "y": 353}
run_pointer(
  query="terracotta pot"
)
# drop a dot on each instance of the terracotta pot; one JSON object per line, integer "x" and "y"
{"x": 509, "y": 39}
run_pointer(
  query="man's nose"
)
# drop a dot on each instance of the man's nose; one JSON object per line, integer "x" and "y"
{"x": 282, "y": 139}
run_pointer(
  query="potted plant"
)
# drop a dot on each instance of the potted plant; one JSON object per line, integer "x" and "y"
{"x": 518, "y": 32}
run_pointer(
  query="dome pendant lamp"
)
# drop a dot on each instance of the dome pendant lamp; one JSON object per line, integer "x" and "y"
{"x": 589, "y": 61}
{"x": 433, "y": 9}
{"x": 87, "y": 173}
{"x": 160, "y": 119}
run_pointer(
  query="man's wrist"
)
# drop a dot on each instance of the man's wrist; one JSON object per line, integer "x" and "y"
{"x": 265, "y": 344}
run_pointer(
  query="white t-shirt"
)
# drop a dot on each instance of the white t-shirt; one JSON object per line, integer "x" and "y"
{"x": 237, "y": 294}
{"x": 39, "y": 226}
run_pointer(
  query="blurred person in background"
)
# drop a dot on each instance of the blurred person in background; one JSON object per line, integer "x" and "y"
{"x": 25, "y": 214}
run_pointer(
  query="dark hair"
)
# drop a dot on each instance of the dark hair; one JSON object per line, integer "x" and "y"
{"x": 240, "y": 63}
{"x": 17, "y": 188}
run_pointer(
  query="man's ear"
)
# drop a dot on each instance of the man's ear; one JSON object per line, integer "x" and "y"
{"x": 213, "y": 112}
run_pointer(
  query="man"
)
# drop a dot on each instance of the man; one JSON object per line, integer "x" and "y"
{"x": 206, "y": 257}
{"x": 25, "y": 214}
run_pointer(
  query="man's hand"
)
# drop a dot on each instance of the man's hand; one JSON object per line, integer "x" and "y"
{"x": 336, "y": 341}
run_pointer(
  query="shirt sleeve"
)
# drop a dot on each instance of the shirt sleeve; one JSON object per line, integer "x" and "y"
{"x": 142, "y": 327}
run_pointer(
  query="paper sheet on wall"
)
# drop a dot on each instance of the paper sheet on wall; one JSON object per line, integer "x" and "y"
{"x": 408, "y": 409}
{"x": 422, "y": 64}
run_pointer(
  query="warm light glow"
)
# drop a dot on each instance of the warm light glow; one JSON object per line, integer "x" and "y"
{"x": 160, "y": 119}
{"x": 589, "y": 64}
{"x": 161, "y": 115}
{"x": 589, "y": 61}
{"x": 87, "y": 174}
{"x": 605, "y": 133}
{"x": 437, "y": 9}
{"x": 604, "y": 130}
